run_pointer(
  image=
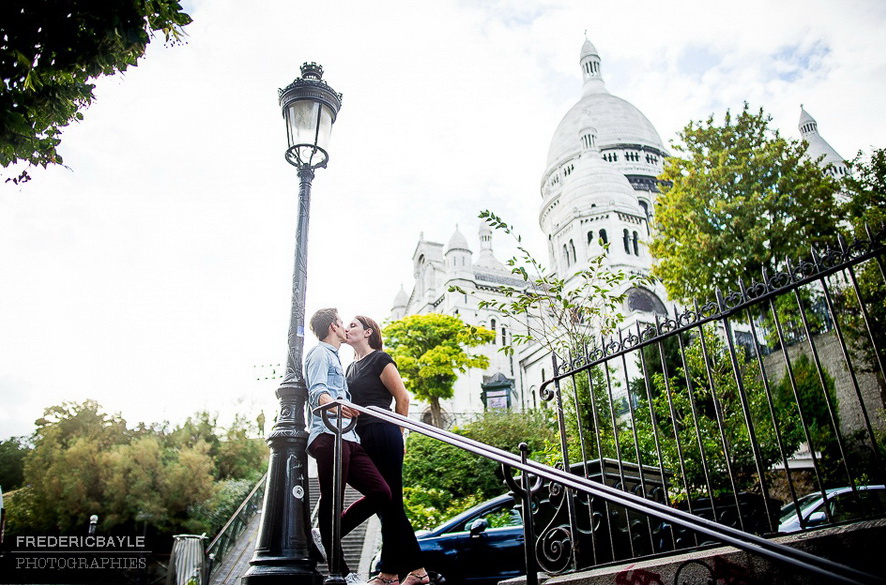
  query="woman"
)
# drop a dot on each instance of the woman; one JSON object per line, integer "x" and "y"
{"x": 373, "y": 380}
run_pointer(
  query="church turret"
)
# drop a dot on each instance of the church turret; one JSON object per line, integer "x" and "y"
{"x": 819, "y": 148}
{"x": 590, "y": 67}
{"x": 458, "y": 256}
{"x": 587, "y": 134}
{"x": 401, "y": 302}
{"x": 487, "y": 263}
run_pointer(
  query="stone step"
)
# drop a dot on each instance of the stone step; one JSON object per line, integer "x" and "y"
{"x": 236, "y": 561}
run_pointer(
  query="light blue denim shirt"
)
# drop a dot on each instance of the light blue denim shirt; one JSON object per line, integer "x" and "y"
{"x": 324, "y": 375}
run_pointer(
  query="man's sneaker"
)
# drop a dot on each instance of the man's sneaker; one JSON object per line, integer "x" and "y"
{"x": 354, "y": 579}
{"x": 318, "y": 543}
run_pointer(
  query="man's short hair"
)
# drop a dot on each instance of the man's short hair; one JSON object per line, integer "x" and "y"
{"x": 321, "y": 321}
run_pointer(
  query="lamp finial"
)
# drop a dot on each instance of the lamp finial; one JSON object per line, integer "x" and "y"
{"x": 312, "y": 71}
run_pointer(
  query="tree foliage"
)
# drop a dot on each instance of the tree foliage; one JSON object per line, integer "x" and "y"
{"x": 12, "y": 462}
{"x": 690, "y": 415}
{"x": 431, "y": 350}
{"x": 86, "y": 462}
{"x": 51, "y": 50}
{"x": 561, "y": 312}
{"x": 737, "y": 198}
{"x": 444, "y": 480}
{"x": 866, "y": 186}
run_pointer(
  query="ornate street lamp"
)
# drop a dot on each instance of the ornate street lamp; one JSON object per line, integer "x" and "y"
{"x": 283, "y": 549}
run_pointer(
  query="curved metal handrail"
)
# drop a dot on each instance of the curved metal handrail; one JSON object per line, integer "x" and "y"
{"x": 235, "y": 525}
{"x": 742, "y": 540}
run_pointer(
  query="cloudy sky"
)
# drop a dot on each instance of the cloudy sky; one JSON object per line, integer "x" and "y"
{"x": 153, "y": 273}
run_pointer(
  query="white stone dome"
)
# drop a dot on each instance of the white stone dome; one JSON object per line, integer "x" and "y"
{"x": 401, "y": 299}
{"x": 457, "y": 242}
{"x": 617, "y": 121}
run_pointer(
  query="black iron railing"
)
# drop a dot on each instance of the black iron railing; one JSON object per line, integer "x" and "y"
{"x": 728, "y": 410}
{"x": 534, "y": 473}
{"x": 234, "y": 527}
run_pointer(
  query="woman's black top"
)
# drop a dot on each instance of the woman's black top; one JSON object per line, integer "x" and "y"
{"x": 365, "y": 385}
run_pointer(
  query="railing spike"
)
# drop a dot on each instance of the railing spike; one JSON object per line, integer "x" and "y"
{"x": 816, "y": 258}
{"x": 842, "y": 241}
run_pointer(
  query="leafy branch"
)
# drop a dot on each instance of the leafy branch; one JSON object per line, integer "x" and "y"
{"x": 562, "y": 314}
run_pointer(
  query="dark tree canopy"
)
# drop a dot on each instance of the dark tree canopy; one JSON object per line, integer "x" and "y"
{"x": 737, "y": 198}
{"x": 50, "y": 50}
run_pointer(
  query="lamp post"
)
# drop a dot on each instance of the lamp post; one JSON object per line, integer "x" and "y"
{"x": 283, "y": 549}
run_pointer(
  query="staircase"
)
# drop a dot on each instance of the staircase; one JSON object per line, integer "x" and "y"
{"x": 236, "y": 561}
{"x": 352, "y": 544}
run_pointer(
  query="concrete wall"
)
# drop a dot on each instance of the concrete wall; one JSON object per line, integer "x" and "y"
{"x": 849, "y": 407}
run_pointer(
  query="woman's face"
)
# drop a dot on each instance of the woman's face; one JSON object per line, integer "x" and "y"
{"x": 356, "y": 332}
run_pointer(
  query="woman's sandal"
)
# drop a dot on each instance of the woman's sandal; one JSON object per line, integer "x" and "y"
{"x": 379, "y": 580}
{"x": 417, "y": 579}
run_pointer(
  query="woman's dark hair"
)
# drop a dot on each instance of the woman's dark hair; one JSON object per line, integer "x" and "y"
{"x": 375, "y": 341}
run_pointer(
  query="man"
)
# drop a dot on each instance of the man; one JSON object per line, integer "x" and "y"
{"x": 326, "y": 382}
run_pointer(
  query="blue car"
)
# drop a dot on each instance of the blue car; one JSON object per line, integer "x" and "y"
{"x": 480, "y": 546}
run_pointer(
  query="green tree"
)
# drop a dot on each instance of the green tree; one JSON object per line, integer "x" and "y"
{"x": 64, "y": 468}
{"x": 813, "y": 402}
{"x": 866, "y": 187}
{"x": 430, "y": 351}
{"x": 444, "y": 480}
{"x": 51, "y": 50}
{"x": 241, "y": 452}
{"x": 699, "y": 412}
{"x": 86, "y": 462}
{"x": 12, "y": 462}
{"x": 737, "y": 198}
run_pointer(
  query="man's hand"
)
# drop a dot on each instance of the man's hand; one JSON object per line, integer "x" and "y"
{"x": 345, "y": 411}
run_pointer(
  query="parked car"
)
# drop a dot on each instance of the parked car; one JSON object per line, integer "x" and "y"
{"x": 843, "y": 504}
{"x": 480, "y": 546}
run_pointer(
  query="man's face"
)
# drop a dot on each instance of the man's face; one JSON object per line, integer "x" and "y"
{"x": 338, "y": 328}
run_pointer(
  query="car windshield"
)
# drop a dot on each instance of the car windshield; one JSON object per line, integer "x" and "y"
{"x": 498, "y": 517}
{"x": 790, "y": 508}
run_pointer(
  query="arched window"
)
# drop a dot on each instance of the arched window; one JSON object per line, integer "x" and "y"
{"x": 504, "y": 335}
{"x": 636, "y": 245}
{"x": 572, "y": 251}
{"x": 591, "y": 236}
{"x": 492, "y": 326}
{"x": 626, "y": 238}
{"x": 565, "y": 255}
{"x": 604, "y": 237}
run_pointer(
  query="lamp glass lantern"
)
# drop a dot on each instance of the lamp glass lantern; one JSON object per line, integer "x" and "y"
{"x": 309, "y": 109}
